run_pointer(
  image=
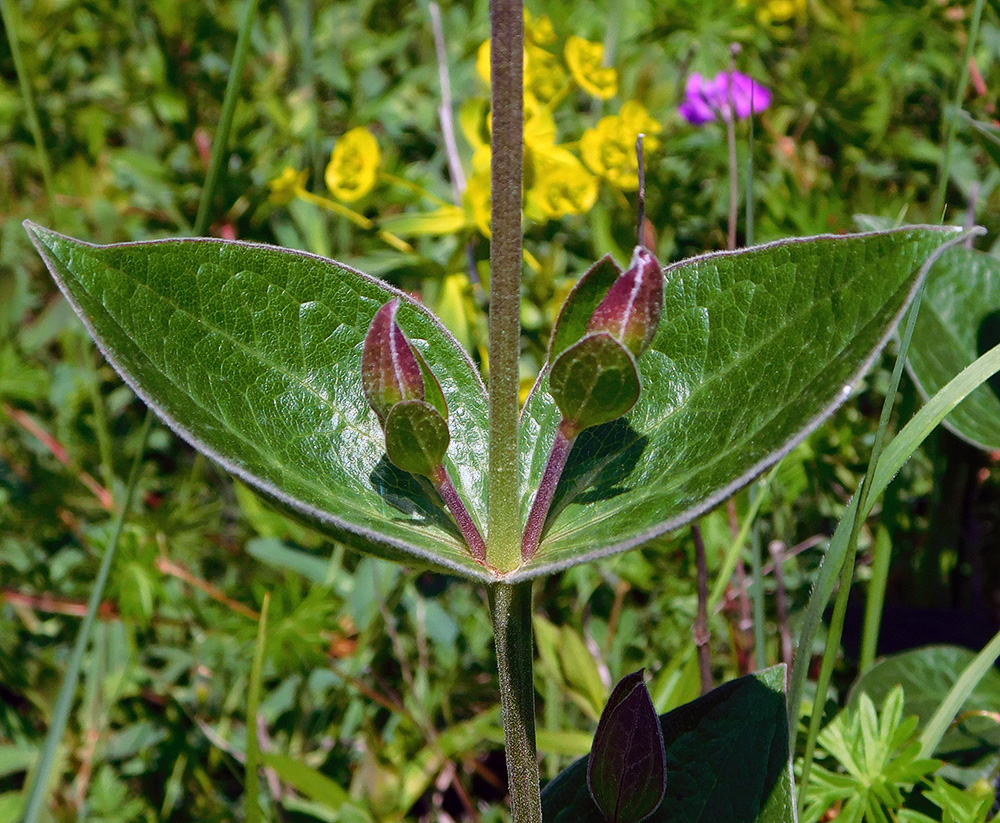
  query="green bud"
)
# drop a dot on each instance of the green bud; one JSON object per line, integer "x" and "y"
{"x": 390, "y": 369}
{"x": 416, "y": 437}
{"x": 594, "y": 381}
{"x": 631, "y": 310}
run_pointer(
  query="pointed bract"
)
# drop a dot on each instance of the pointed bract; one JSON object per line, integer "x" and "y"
{"x": 627, "y": 768}
{"x": 631, "y": 310}
{"x": 390, "y": 370}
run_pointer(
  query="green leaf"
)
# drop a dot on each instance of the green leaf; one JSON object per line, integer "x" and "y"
{"x": 927, "y": 675}
{"x": 756, "y": 348}
{"x": 303, "y": 778}
{"x": 960, "y": 320}
{"x": 585, "y": 297}
{"x": 727, "y": 759}
{"x": 594, "y": 381}
{"x": 987, "y": 135}
{"x": 416, "y": 437}
{"x": 253, "y": 355}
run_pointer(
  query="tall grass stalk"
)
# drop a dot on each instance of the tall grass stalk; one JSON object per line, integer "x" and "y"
{"x": 950, "y": 116}
{"x": 10, "y": 23}
{"x": 38, "y": 791}
{"x": 221, "y": 140}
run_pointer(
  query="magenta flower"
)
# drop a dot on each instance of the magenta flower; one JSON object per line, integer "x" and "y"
{"x": 707, "y": 99}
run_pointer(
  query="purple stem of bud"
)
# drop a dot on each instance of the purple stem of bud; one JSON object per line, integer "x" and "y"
{"x": 466, "y": 525}
{"x": 566, "y": 435}
{"x": 390, "y": 371}
{"x": 631, "y": 310}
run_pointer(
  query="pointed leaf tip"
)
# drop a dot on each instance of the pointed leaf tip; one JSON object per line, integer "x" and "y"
{"x": 627, "y": 770}
{"x": 390, "y": 370}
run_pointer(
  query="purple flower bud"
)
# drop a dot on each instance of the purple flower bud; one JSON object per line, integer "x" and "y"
{"x": 390, "y": 371}
{"x": 631, "y": 310}
{"x": 728, "y": 91}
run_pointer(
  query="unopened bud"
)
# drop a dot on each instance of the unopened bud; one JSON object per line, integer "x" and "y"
{"x": 631, "y": 310}
{"x": 390, "y": 370}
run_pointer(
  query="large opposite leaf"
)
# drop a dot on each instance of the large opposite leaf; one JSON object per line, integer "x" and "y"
{"x": 755, "y": 349}
{"x": 253, "y": 355}
{"x": 727, "y": 760}
{"x": 959, "y": 320}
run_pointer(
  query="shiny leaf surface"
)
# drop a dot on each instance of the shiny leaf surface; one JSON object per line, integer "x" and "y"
{"x": 755, "y": 349}
{"x": 594, "y": 381}
{"x": 253, "y": 355}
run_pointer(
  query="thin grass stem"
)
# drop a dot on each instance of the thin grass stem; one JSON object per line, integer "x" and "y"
{"x": 950, "y": 116}
{"x": 221, "y": 141}
{"x": 37, "y": 794}
{"x": 10, "y": 22}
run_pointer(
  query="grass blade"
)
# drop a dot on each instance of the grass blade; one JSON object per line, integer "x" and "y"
{"x": 8, "y": 15}
{"x": 896, "y": 453}
{"x": 39, "y": 790}
{"x": 252, "y": 780}
{"x": 952, "y": 704}
{"x": 226, "y": 119}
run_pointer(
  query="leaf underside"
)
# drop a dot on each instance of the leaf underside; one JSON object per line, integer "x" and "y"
{"x": 755, "y": 349}
{"x": 253, "y": 355}
{"x": 727, "y": 759}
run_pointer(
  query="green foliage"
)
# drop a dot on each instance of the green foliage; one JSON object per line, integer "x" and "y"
{"x": 727, "y": 756}
{"x": 878, "y": 758}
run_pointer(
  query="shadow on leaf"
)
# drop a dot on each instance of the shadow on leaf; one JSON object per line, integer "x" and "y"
{"x": 411, "y": 495}
{"x": 601, "y": 460}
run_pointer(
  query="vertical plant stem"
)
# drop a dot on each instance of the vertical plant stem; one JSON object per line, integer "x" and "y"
{"x": 760, "y": 651}
{"x": 875, "y": 601}
{"x": 734, "y": 177}
{"x": 749, "y": 227}
{"x": 10, "y": 23}
{"x": 221, "y": 140}
{"x": 445, "y": 110}
{"x": 506, "y": 65}
{"x": 510, "y": 607}
{"x": 777, "y": 550}
{"x": 701, "y": 632}
{"x": 252, "y": 811}
{"x": 37, "y": 794}
{"x": 948, "y": 117}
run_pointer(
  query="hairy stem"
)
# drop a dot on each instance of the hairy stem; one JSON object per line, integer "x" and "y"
{"x": 701, "y": 632}
{"x": 466, "y": 525}
{"x": 506, "y": 65}
{"x": 510, "y": 607}
{"x": 566, "y": 435}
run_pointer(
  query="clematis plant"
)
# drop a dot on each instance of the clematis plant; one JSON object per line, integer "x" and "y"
{"x": 348, "y": 404}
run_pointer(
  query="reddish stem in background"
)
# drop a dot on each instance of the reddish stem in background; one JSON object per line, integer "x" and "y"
{"x": 701, "y": 631}
{"x": 566, "y": 435}
{"x": 466, "y": 525}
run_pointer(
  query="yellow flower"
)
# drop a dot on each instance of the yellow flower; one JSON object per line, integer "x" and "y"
{"x": 286, "y": 186}
{"x": 353, "y": 167}
{"x": 561, "y": 186}
{"x": 479, "y": 200}
{"x": 538, "y": 32}
{"x": 609, "y": 149}
{"x": 544, "y": 76}
{"x": 483, "y": 61}
{"x": 584, "y": 59}
{"x": 539, "y": 125}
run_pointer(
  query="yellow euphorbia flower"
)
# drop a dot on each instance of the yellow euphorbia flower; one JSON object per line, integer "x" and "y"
{"x": 539, "y": 124}
{"x": 584, "y": 59}
{"x": 539, "y": 32}
{"x": 286, "y": 186}
{"x": 353, "y": 167}
{"x": 561, "y": 186}
{"x": 779, "y": 14}
{"x": 609, "y": 149}
{"x": 479, "y": 200}
{"x": 544, "y": 76}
